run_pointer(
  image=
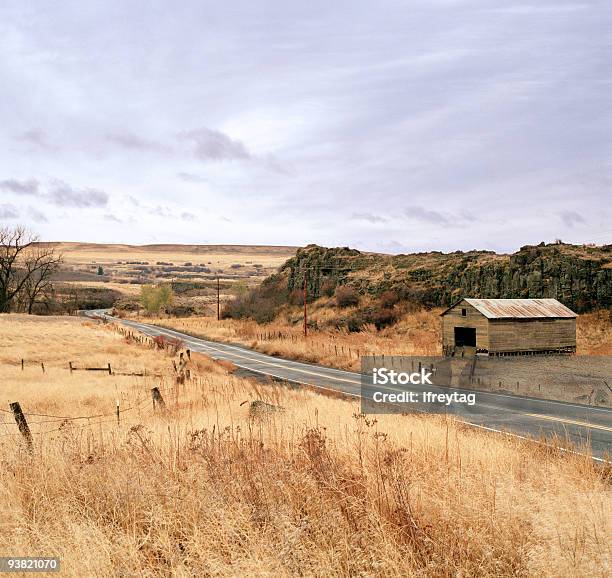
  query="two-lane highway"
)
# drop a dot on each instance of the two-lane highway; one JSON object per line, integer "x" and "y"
{"x": 529, "y": 417}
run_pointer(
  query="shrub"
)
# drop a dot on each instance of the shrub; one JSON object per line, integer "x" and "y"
{"x": 328, "y": 287}
{"x": 383, "y": 317}
{"x": 346, "y": 296}
{"x": 296, "y": 297}
{"x": 388, "y": 299}
{"x": 356, "y": 322}
{"x": 261, "y": 303}
{"x": 154, "y": 298}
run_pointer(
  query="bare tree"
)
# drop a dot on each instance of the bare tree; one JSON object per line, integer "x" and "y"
{"x": 26, "y": 268}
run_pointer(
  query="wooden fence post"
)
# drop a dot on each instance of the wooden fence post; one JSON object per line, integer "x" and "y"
{"x": 110, "y": 371}
{"x": 118, "y": 412}
{"x": 157, "y": 398}
{"x": 42, "y": 366}
{"x": 70, "y": 366}
{"x": 22, "y": 362}
{"x": 22, "y": 423}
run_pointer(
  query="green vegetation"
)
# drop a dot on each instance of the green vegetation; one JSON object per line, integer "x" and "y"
{"x": 154, "y": 298}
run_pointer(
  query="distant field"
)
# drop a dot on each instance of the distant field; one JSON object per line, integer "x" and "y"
{"x": 125, "y": 265}
{"x": 84, "y": 253}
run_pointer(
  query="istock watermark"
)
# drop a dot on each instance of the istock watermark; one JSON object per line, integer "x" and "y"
{"x": 482, "y": 385}
{"x": 411, "y": 384}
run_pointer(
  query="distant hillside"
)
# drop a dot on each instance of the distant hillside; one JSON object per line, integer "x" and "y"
{"x": 116, "y": 248}
{"x": 578, "y": 276}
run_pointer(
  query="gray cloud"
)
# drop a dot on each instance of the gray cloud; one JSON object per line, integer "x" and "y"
{"x": 425, "y": 215}
{"x": 29, "y": 187}
{"x": 369, "y": 217}
{"x": 212, "y": 145}
{"x": 63, "y": 195}
{"x": 8, "y": 211}
{"x": 571, "y": 218}
{"x": 36, "y": 137}
{"x": 112, "y": 218}
{"x": 190, "y": 177}
{"x": 187, "y": 216}
{"x": 37, "y": 216}
{"x": 134, "y": 142}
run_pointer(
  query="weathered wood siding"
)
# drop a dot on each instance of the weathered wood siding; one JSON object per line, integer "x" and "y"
{"x": 531, "y": 334}
{"x": 473, "y": 318}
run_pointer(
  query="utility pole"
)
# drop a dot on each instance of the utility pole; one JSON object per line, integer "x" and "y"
{"x": 218, "y": 301}
{"x": 304, "y": 295}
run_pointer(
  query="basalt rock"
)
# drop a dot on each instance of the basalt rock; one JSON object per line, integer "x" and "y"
{"x": 578, "y": 276}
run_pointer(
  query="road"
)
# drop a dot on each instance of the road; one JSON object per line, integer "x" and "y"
{"x": 509, "y": 414}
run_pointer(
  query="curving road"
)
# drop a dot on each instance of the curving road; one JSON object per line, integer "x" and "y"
{"x": 515, "y": 415}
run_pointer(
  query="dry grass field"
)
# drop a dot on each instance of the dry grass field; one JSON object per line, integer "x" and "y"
{"x": 416, "y": 333}
{"x": 289, "y": 483}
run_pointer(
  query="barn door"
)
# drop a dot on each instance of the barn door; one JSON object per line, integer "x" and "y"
{"x": 465, "y": 337}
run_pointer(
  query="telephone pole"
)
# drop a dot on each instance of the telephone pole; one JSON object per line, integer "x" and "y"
{"x": 218, "y": 301}
{"x": 304, "y": 295}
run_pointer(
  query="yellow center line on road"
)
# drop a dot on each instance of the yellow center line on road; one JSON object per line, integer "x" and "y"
{"x": 570, "y": 421}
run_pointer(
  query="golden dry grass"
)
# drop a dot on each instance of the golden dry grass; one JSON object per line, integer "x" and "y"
{"x": 415, "y": 333}
{"x": 210, "y": 488}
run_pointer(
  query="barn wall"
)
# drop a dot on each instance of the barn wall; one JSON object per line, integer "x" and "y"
{"x": 474, "y": 318}
{"x": 531, "y": 334}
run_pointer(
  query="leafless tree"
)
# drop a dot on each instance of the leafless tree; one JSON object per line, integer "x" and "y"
{"x": 26, "y": 268}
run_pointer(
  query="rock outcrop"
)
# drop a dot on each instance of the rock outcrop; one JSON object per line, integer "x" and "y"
{"x": 578, "y": 276}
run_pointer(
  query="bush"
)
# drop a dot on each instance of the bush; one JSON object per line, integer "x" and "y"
{"x": 261, "y": 303}
{"x": 383, "y": 317}
{"x": 346, "y": 296}
{"x": 328, "y": 287}
{"x": 154, "y": 298}
{"x": 388, "y": 299}
{"x": 296, "y": 297}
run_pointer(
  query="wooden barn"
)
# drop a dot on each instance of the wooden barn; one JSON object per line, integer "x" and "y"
{"x": 508, "y": 327}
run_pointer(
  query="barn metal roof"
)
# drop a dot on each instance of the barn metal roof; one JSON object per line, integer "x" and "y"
{"x": 521, "y": 308}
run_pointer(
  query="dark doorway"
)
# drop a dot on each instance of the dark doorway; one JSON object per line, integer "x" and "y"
{"x": 465, "y": 336}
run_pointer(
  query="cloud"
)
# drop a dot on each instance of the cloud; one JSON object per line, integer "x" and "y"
{"x": 190, "y": 177}
{"x": 8, "y": 211}
{"x": 134, "y": 142}
{"x": 37, "y": 216}
{"x": 187, "y": 216}
{"x": 63, "y": 195}
{"x": 112, "y": 218}
{"x": 212, "y": 145}
{"x": 425, "y": 215}
{"x": 370, "y": 217}
{"x": 571, "y": 218}
{"x": 29, "y": 187}
{"x": 36, "y": 137}
{"x": 160, "y": 211}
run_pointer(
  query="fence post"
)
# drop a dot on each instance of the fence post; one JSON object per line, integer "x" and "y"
{"x": 22, "y": 423}
{"x": 70, "y": 366}
{"x": 22, "y": 364}
{"x": 118, "y": 412}
{"x": 42, "y": 366}
{"x": 110, "y": 372}
{"x": 157, "y": 398}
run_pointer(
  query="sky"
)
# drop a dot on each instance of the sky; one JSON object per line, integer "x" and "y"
{"x": 386, "y": 126}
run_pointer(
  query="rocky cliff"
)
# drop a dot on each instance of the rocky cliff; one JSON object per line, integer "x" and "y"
{"x": 578, "y": 276}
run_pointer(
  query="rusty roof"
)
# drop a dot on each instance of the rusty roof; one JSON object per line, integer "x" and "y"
{"x": 521, "y": 308}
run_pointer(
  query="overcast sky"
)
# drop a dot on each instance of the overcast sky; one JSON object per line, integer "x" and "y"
{"x": 389, "y": 126}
